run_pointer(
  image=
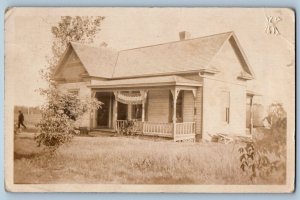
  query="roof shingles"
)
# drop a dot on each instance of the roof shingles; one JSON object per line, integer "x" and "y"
{"x": 161, "y": 59}
{"x": 187, "y": 55}
{"x": 99, "y": 62}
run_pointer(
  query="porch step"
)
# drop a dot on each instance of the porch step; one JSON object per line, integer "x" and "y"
{"x": 103, "y": 130}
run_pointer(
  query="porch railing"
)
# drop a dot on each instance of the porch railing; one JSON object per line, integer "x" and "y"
{"x": 120, "y": 125}
{"x": 138, "y": 125}
{"x": 184, "y": 130}
{"x": 160, "y": 129}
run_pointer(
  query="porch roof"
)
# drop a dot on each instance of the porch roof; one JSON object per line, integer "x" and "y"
{"x": 146, "y": 82}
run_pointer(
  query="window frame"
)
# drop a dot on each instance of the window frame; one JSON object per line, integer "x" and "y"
{"x": 74, "y": 91}
{"x": 226, "y": 106}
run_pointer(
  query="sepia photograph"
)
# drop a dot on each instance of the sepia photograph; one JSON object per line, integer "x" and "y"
{"x": 149, "y": 99}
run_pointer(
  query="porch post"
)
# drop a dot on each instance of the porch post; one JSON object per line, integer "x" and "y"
{"x": 175, "y": 93}
{"x": 195, "y": 96}
{"x": 115, "y": 112}
{"x": 144, "y": 96}
{"x": 251, "y": 115}
{"x": 93, "y": 113}
{"x": 129, "y": 110}
{"x": 195, "y": 110}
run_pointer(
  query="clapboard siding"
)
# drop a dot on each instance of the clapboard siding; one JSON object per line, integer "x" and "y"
{"x": 188, "y": 106}
{"x": 158, "y": 106}
{"x": 83, "y": 93}
{"x": 72, "y": 72}
{"x": 198, "y": 117}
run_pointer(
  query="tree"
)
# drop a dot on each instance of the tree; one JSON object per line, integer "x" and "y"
{"x": 70, "y": 29}
{"x": 265, "y": 155}
{"x": 62, "y": 110}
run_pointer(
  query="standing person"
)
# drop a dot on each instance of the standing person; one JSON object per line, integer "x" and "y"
{"x": 21, "y": 119}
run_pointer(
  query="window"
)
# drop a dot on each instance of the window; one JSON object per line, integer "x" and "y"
{"x": 137, "y": 111}
{"x": 74, "y": 91}
{"x": 225, "y": 108}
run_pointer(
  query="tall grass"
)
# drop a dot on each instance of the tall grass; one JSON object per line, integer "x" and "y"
{"x": 130, "y": 161}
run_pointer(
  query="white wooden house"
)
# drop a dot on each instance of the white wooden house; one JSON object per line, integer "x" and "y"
{"x": 190, "y": 88}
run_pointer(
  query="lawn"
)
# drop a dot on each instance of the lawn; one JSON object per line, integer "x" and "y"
{"x": 30, "y": 122}
{"x": 128, "y": 160}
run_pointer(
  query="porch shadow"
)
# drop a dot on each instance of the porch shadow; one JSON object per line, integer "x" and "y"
{"x": 18, "y": 156}
{"x": 137, "y": 136}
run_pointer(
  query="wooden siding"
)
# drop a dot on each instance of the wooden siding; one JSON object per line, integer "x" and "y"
{"x": 72, "y": 73}
{"x": 83, "y": 92}
{"x": 213, "y": 109}
{"x": 158, "y": 106}
{"x": 198, "y": 115}
{"x": 72, "y": 68}
{"x": 229, "y": 65}
{"x": 188, "y": 106}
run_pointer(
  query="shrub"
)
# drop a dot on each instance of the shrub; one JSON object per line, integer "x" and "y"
{"x": 60, "y": 116}
{"x": 129, "y": 128}
{"x": 266, "y": 154}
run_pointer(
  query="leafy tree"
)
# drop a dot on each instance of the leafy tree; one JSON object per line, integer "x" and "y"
{"x": 70, "y": 29}
{"x": 265, "y": 155}
{"x": 62, "y": 110}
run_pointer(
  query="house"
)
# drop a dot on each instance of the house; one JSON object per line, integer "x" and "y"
{"x": 190, "y": 88}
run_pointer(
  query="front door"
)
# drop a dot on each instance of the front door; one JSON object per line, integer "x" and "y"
{"x": 122, "y": 111}
{"x": 104, "y": 113}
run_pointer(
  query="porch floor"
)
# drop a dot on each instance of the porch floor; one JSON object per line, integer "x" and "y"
{"x": 104, "y": 133}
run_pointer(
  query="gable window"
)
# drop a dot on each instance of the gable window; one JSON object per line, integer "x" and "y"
{"x": 225, "y": 106}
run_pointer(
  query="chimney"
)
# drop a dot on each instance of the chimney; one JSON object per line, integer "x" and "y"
{"x": 184, "y": 35}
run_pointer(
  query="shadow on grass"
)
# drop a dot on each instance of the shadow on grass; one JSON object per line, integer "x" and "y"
{"x": 18, "y": 156}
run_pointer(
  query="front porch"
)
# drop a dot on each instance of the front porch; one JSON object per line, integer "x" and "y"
{"x": 166, "y": 110}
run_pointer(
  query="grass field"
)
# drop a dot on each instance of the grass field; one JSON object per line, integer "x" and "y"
{"x": 30, "y": 122}
{"x": 130, "y": 160}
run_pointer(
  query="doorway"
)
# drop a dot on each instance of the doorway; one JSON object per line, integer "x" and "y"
{"x": 104, "y": 114}
{"x": 122, "y": 111}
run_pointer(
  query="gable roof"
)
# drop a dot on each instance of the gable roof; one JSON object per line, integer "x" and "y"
{"x": 98, "y": 61}
{"x": 191, "y": 55}
{"x": 179, "y": 56}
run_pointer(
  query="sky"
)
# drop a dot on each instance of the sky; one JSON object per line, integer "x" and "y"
{"x": 28, "y": 41}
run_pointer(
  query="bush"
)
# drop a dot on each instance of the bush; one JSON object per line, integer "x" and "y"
{"x": 60, "y": 116}
{"x": 129, "y": 128}
{"x": 266, "y": 154}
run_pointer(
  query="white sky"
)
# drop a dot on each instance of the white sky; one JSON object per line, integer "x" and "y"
{"x": 28, "y": 41}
